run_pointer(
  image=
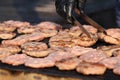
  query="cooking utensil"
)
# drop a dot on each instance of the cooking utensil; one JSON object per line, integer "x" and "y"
{"x": 76, "y": 22}
{"x": 90, "y": 21}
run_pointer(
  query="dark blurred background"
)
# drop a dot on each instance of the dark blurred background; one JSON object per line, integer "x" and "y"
{"x": 35, "y": 11}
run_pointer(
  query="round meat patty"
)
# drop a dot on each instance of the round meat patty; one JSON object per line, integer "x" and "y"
{"x": 10, "y": 48}
{"x": 7, "y": 28}
{"x": 34, "y": 46}
{"x": 111, "y": 50}
{"x": 78, "y": 51}
{"x": 84, "y": 40}
{"x": 15, "y": 60}
{"x": 6, "y": 35}
{"x": 36, "y": 53}
{"x": 40, "y": 62}
{"x": 36, "y": 36}
{"x": 19, "y": 40}
{"x": 26, "y": 30}
{"x": 68, "y": 64}
{"x": 35, "y": 49}
{"x": 16, "y": 23}
{"x": 112, "y": 37}
{"x": 61, "y": 44}
{"x": 110, "y": 62}
{"x": 61, "y": 36}
{"x": 93, "y": 56}
{"x": 49, "y": 33}
{"x": 62, "y": 39}
{"x": 48, "y": 25}
{"x": 114, "y": 32}
{"x": 75, "y": 31}
{"x": 74, "y": 37}
{"x": 91, "y": 69}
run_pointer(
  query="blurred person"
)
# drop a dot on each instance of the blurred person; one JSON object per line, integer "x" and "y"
{"x": 65, "y": 7}
{"x": 118, "y": 13}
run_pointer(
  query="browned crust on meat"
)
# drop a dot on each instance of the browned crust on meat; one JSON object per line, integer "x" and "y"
{"x": 114, "y": 32}
{"x": 112, "y": 50}
{"x": 49, "y": 33}
{"x": 36, "y": 53}
{"x": 7, "y": 28}
{"x": 35, "y": 49}
{"x": 26, "y": 30}
{"x": 36, "y": 36}
{"x": 61, "y": 44}
{"x": 73, "y": 37}
{"x": 7, "y": 35}
{"x": 90, "y": 69}
{"x": 112, "y": 37}
{"x": 16, "y": 41}
{"x": 85, "y": 41}
{"x": 10, "y": 48}
{"x": 34, "y": 46}
{"x": 39, "y": 63}
{"x": 68, "y": 64}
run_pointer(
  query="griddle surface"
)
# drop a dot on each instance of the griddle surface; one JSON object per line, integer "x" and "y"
{"x": 55, "y": 72}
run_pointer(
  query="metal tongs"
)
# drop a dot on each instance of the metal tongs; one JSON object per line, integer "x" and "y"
{"x": 88, "y": 20}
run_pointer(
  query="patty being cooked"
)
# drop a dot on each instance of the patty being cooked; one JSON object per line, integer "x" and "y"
{"x": 112, "y": 37}
{"x": 91, "y": 68}
{"x": 68, "y": 64}
{"x": 74, "y": 37}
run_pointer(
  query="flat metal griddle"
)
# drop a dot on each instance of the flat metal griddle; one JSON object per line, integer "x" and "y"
{"x": 55, "y": 72}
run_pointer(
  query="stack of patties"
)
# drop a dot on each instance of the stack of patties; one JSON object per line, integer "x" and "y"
{"x": 74, "y": 37}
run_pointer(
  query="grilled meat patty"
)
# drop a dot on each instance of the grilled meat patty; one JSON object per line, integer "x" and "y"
{"x": 112, "y": 37}
{"x": 91, "y": 68}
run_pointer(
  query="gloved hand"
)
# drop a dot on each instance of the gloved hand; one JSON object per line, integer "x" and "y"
{"x": 65, "y": 7}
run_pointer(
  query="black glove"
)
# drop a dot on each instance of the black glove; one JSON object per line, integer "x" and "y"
{"x": 65, "y": 7}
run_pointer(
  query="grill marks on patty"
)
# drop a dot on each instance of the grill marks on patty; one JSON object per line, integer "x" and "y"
{"x": 74, "y": 37}
{"x": 35, "y": 49}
